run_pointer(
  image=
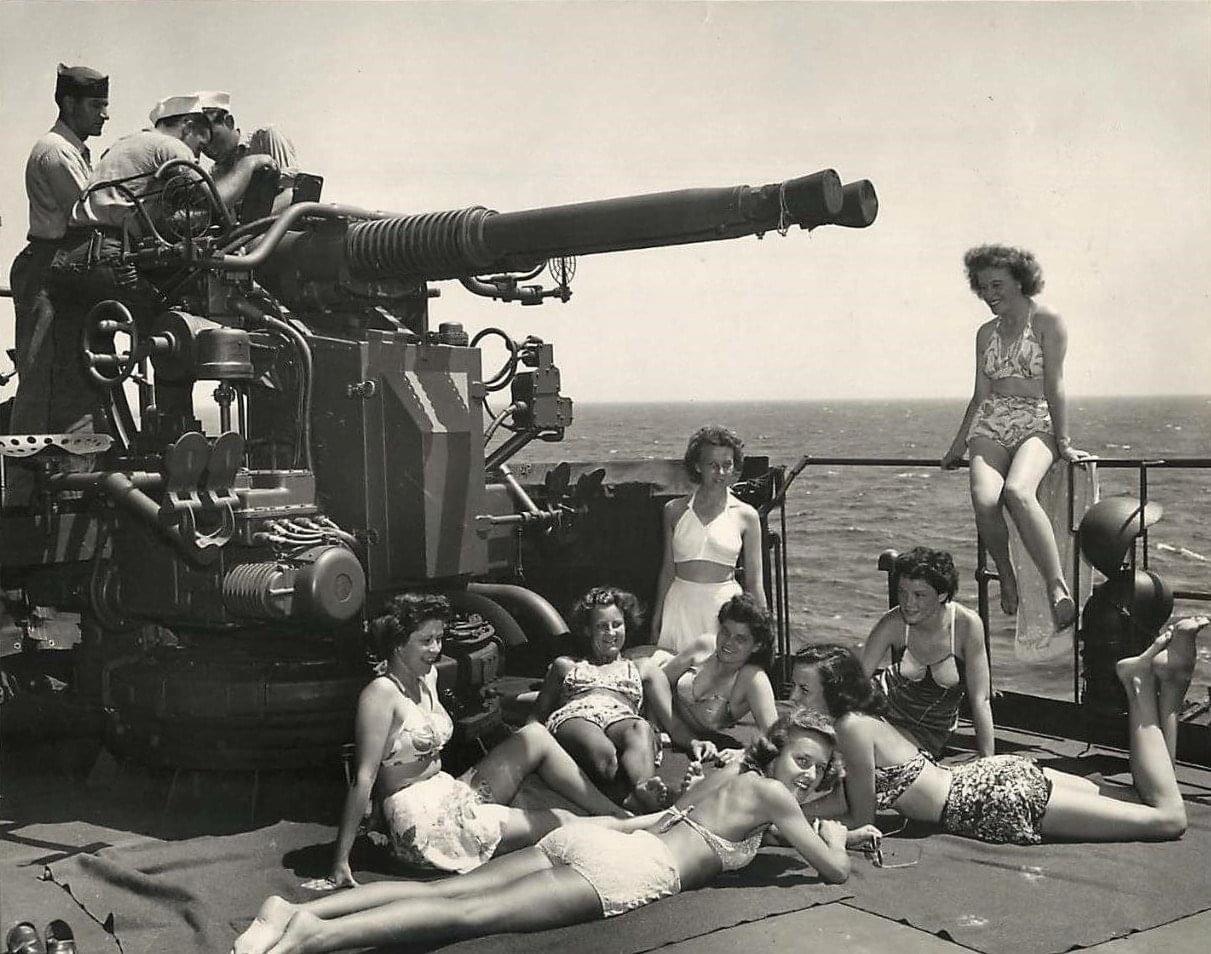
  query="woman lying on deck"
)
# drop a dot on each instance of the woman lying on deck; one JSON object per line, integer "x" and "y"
{"x": 591, "y": 703}
{"x": 582, "y": 872}
{"x": 1007, "y": 798}
{"x": 435, "y": 820}
{"x": 717, "y": 680}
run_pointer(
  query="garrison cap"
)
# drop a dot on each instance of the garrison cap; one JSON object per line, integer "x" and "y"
{"x": 80, "y": 81}
{"x": 214, "y": 99}
{"x": 174, "y": 106}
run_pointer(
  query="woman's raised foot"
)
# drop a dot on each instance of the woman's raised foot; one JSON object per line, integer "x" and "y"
{"x": 1174, "y": 663}
{"x": 651, "y": 795}
{"x": 1134, "y": 671}
{"x": 1063, "y": 608}
{"x": 266, "y": 928}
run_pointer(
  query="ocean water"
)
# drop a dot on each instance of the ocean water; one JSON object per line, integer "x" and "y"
{"x": 840, "y": 518}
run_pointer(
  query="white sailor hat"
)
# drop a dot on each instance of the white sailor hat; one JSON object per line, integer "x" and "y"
{"x": 214, "y": 99}
{"x": 174, "y": 106}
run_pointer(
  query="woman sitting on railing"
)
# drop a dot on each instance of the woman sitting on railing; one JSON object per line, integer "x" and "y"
{"x": 717, "y": 680}
{"x": 1016, "y": 424}
{"x": 937, "y": 655}
{"x": 434, "y": 820}
{"x": 1006, "y": 798}
{"x": 582, "y": 873}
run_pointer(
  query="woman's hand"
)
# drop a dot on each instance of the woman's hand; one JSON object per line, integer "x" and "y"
{"x": 1072, "y": 454}
{"x": 953, "y": 457}
{"x": 341, "y": 875}
{"x": 832, "y": 832}
{"x": 868, "y": 836}
{"x": 703, "y": 751}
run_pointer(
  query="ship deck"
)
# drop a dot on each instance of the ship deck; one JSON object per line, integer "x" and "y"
{"x": 140, "y": 860}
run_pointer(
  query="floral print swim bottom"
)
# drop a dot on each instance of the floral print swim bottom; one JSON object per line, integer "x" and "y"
{"x": 1000, "y": 799}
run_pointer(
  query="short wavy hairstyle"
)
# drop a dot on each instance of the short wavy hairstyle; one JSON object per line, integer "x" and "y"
{"x": 935, "y": 567}
{"x": 712, "y": 435}
{"x": 762, "y": 751}
{"x": 1022, "y": 265}
{"x": 742, "y": 608}
{"x": 845, "y": 684}
{"x": 597, "y": 598}
{"x": 407, "y": 613}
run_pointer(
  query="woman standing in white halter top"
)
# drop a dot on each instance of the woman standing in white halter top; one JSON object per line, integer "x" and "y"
{"x": 705, "y": 534}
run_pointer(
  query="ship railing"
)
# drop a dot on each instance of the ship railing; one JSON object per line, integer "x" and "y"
{"x": 1138, "y": 556}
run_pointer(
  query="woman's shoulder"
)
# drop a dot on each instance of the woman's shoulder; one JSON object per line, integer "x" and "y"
{"x": 890, "y": 624}
{"x": 968, "y": 625}
{"x": 747, "y": 511}
{"x": 677, "y": 506}
{"x": 984, "y": 332}
{"x": 1047, "y": 319}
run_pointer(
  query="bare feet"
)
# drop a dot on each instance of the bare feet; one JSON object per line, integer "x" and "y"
{"x": 1009, "y": 594}
{"x": 651, "y": 795}
{"x": 266, "y": 929}
{"x": 1174, "y": 664}
{"x": 1135, "y": 671}
{"x": 299, "y": 934}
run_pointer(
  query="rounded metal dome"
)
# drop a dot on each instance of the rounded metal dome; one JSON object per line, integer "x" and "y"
{"x": 1108, "y": 528}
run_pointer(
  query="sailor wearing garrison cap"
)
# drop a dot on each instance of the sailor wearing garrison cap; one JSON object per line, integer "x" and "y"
{"x": 56, "y": 172}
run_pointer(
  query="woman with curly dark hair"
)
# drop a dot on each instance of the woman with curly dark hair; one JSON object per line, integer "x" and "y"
{"x": 937, "y": 655}
{"x": 704, "y": 536}
{"x": 583, "y": 873}
{"x": 1006, "y": 798}
{"x": 1016, "y": 424}
{"x": 591, "y": 702}
{"x": 717, "y": 680}
{"x": 432, "y": 819}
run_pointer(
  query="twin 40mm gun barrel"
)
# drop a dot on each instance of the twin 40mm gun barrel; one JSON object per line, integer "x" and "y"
{"x": 435, "y": 246}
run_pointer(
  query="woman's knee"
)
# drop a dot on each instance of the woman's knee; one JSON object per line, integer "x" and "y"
{"x": 1020, "y": 495}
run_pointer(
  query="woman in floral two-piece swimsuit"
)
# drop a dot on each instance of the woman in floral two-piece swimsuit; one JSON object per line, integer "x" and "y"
{"x": 1016, "y": 423}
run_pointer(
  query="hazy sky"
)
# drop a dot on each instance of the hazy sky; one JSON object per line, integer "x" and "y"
{"x": 1081, "y": 131}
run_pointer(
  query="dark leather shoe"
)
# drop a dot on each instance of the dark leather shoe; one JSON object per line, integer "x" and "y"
{"x": 23, "y": 938}
{"x": 59, "y": 938}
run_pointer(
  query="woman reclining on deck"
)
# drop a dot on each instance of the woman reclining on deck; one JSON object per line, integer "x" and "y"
{"x": 717, "y": 680}
{"x": 591, "y": 704}
{"x": 583, "y": 872}
{"x": 434, "y": 820}
{"x": 1007, "y": 798}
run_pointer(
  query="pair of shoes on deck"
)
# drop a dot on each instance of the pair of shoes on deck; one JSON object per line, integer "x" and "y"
{"x": 24, "y": 938}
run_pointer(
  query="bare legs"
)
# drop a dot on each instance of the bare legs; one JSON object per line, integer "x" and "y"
{"x": 533, "y": 749}
{"x": 999, "y": 477}
{"x": 520, "y": 892}
{"x": 626, "y": 748}
{"x": 1075, "y": 813}
{"x": 1174, "y": 667}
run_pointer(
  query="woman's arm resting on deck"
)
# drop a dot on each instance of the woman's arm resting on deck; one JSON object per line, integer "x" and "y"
{"x": 979, "y": 681}
{"x": 824, "y": 851}
{"x": 758, "y": 698}
{"x": 370, "y": 738}
{"x": 856, "y": 743}
{"x": 880, "y": 641}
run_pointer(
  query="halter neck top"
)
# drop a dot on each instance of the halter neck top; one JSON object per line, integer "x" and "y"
{"x": 732, "y": 855}
{"x": 712, "y": 711}
{"x": 424, "y": 731}
{"x": 1022, "y": 358}
{"x": 718, "y": 541}
{"x": 620, "y": 677}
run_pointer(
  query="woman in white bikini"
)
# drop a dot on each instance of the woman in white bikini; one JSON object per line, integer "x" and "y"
{"x": 435, "y": 820}
{"x": 1016, "y": 423}
{"x": 704, "y": 535}
{"x": 586, "y": 872}
{"x": 937, "y": 655}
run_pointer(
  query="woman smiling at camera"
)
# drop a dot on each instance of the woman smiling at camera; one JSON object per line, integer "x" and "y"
{"x": 433, "y": 819}
{"x": 704, "y": 535}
